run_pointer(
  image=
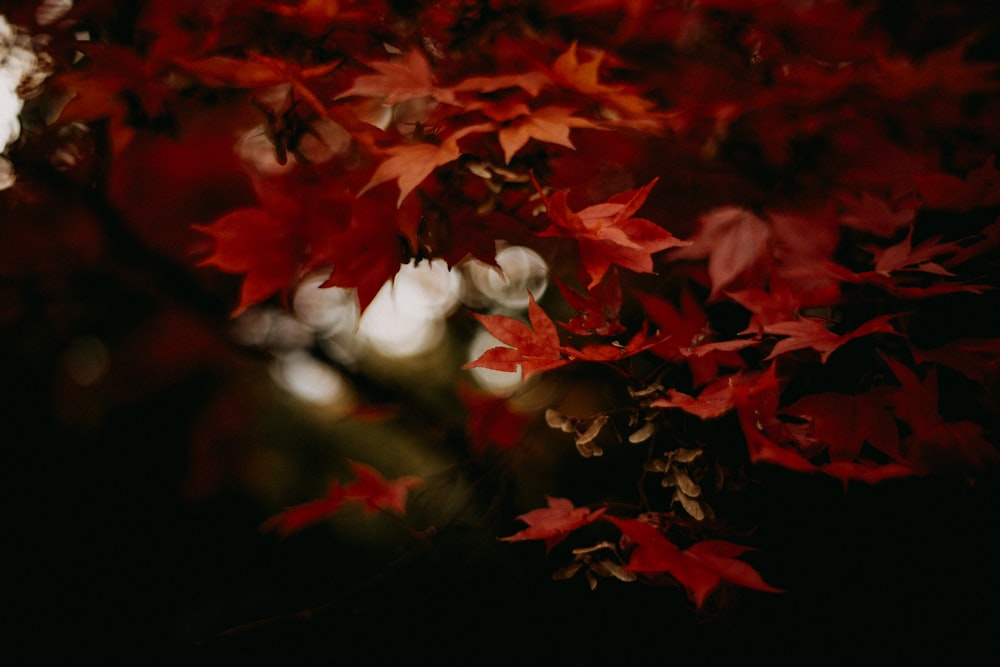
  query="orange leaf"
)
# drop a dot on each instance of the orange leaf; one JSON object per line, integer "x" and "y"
{"x": 409, "y": 165}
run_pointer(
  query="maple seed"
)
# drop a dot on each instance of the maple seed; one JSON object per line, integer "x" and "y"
{"x": 643, "y": 434}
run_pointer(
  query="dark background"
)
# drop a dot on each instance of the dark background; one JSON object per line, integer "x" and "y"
{"x": 133, "y": 505}
{"x": 127, "y": 545}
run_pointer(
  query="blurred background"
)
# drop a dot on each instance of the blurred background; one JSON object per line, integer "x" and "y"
{"x": 147, "y": 436}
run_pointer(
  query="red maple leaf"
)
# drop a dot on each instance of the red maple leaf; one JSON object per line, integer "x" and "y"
{"x": 306, "y": 514}
{"x": 369, "y": 488}
{"x": 410, "y": 164}
{"x": 616, "y": 351}
{"x": 570, "y": 71}
{"x": 491, "y": 420}
{"x": 933, "y": 441}
{"x": 530, "y": 82}
{"x": 258, "y": 71}
{"x": 736, "y": 244}
{"x": 531, "y": 350}
{"x": 812, "y": 333}
{"x": 378, "y": 493}
{"x": 974, "y": 358}
{"x": 700, "y": 568}
{"x": 550, "y": 124}
{"x": 553, "y": 523}
{"x": 406, "y": 78}
{"x": 714, "y": 400}
{"x": 687, "y": 336}
{"x": 904, "y": 256}
{"x": 258, "y": 245}
{"x": 756, "y": 404}
{"x": 772, "y": 440}
{"x": 780, "y": 302}
{"x": 876, "y": 215}
{"x": 981, "y": 187}
{"x": 597, "y": 312}
{"x": 844, "y": 422}
{"x": 367, "y": 252}
{"x": 607, "y": 233}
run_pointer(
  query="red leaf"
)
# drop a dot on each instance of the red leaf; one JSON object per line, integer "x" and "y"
{"x": 491, "y": 420}
{"x": 368, "y": 488}
{"x": 687, "y": 335}
{"x": 258, "y": 245}
{"x": 934, "y": 442}
{"x": 569, "y": 71}
{"x": 532, "y": 350}
{"x": 720, "y": 557}
{"x": 378, "y": 493}
{"x": 700, "y": 569}
{"x": 553, "y": 523}
{"x": 301, "y": 516}
{"x": 713, "y": 401}
{"x": 812, "y": 333}
{"x": 607, "y": 234}
{"x": 596, "y": 313}
{"x": 876, "y": 215}
{"x": 410, "y": 164}
{"x": 756, "y": 403}
{"x": 845, "y": 422}
{"x": 550, "y": 124}
{"x": 407, "y": 78}
{"x": 735, "y": 242}
{"x": 981, "y": 187}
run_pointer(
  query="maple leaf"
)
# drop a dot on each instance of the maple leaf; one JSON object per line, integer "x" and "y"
{"x": 687, "y": 336}
{"x": 714, "y": 400}
{"x": 756, "y": 403}
{"x": 373, "y": 491}
{"x": 257, "y": 244}
{"x": 876, "y": 215}
{"x": 812, "y": 333}
{"x": 899, "y": 285}
{"x": 366, "y": 253}
{"x": 945, "y": 71}
{"x": 720, "y": 557}
{"x": 772, "y": 440}
{"x": 700, "y": 568}
{"x": 972, "y": 357}
{"x": 735, "y": 242}
{"x": 491, "y": 420}
{"x": 844, "y": 422}
{"x": 597, "y": 312}
{"x": 259, "y": 71}
{"x": 406, "y": 78}
{"x": 981, "y": 187}
{"x": 780, "y": 303}
{"x": 934, "y": 442}
{"x": 903, "y": 256}
{"x": 410, "y": 164}
{"x": 532, "y": 350}
{"x": 549, "y": 124}
{"x": 377, "y": 493}
{"x": 607, "y": 233}
{"x": 306, "y": 514}
{"x": 553, "y": 523}
{"x": 616, "y": 351}
{"x": 530, "y": 82}
{"x": 582, "y": 76}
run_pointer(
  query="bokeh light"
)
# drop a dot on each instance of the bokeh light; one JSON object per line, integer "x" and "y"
{"x": 310, "y": 379}
{"x": 521, "y": 270}
{"x": 406, "y": 318}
